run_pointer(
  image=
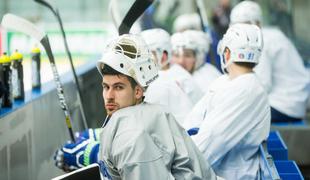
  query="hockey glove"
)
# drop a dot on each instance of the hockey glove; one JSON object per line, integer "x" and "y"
{"x": 76, "y": 155}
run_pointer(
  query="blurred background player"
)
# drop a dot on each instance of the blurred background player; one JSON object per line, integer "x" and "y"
{"x": 204, "y": 73}
{"x": 281, "y": 69}
{"x": 192, "y": 21}
{"x": 164, "y": 90}
{"x": 183, "y": 63}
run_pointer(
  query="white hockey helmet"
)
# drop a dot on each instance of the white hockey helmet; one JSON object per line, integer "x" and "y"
{"x": 186, "y": 22}
{"x": 194, "y": 40}
{"x": 246, "y": 12}
{"x": 129, "y": 55}
{"x": 158, "y": 40}
{"x": 201, "y": 44}
{"x": 245, "y": 43}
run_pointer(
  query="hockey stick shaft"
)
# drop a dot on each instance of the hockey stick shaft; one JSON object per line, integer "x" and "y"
{"x": 136, "y": 10}
{"x": 16, "y": 23}
{"x": 201, "y": 11}
{"x": 202, "y": 15}
{"x": 79, "y": 94}
{"x": 59, "y": 87}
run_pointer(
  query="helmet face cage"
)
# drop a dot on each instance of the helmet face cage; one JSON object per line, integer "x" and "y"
{"x": 245, "y": 43}
{"x": 129, "y": 55}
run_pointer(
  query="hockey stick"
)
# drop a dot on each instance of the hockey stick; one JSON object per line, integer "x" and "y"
{"x": 135, "y": 11}
{"x": 202, "y": 15}
{"x": 201, "y": 11}
{"x": 79, "y": 96}
{"x": 19, "y": 24}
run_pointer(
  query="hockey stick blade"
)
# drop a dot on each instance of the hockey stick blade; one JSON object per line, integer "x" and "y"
{"x": 16, "y": 23}
{"x": 13, "y": 22}
{"x": 133, "y": 14}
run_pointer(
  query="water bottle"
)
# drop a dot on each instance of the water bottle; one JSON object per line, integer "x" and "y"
{"x": 6, "y": 79}
{"x": 17, "y": 76}
{"x": 35, "y": 67}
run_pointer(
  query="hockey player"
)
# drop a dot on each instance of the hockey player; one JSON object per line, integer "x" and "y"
{"x": 140, "y": 140}
{"x": 281, "y": 69}
{"x": 234, "y": 116}
{"x": 204, "y": 73}
{"x": 183, "y": 62}
{"x": 164, "y": 90}
{"x": 189, "y": 51}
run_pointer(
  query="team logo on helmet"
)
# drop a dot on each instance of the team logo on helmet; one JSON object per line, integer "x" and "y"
{"x": 250, "y": 56}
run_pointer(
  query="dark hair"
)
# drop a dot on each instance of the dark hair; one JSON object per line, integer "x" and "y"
{"x": 108, "y": 70}
{"x": 246, "y": 64}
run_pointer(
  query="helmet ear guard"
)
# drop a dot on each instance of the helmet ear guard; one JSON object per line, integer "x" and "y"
{"x": 129, "y": 55}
